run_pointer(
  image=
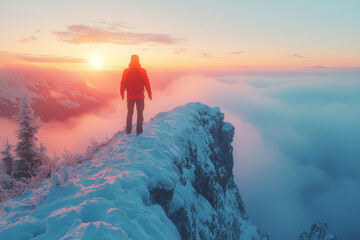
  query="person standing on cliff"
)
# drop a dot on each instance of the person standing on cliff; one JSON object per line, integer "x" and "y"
{"x": 134, "y": 79}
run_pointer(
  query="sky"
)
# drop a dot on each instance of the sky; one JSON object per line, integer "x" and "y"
{"x": 181, "y": 35}
{"x": 285, "y": 73}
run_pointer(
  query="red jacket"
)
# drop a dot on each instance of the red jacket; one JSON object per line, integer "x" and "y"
{"x": 135, "y": 77}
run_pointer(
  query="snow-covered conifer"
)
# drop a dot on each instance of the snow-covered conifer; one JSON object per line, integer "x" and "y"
{"x": 28, "y": 154}
{"x": 48, "y": 165}
{"x": 7, "y": 159}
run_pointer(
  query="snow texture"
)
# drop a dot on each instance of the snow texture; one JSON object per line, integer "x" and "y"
{"x": 319, "y": 231}
{"x": 174, "y": 181}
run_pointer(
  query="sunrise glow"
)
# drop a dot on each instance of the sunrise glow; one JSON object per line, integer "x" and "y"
{"x": 236, "y": 40}
{"x": 96, "y": 61}
{"x": 179, "y": 119}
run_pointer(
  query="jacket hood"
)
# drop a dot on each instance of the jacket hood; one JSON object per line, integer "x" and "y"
{"x": 135, "y": 62}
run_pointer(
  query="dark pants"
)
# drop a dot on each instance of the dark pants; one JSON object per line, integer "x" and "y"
{"x": 140, "y": 104}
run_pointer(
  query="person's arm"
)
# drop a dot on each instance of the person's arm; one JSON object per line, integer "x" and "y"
{"x": 123, "y": 83}
{"x": 147, "y": 83}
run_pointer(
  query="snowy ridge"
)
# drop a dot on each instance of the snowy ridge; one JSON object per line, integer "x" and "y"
{"x": 174, "y": 181}
{"x": 55, "y": 94}
{"x": 319, "y": 231}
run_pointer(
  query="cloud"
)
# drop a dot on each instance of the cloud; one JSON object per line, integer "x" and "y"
{"x": 109, "y": 25}
{"x": 319, "y": 67}
{"x": 80, "y": 34}
{"x": 205, "y": 55}
{"x": 305, "y": 162}
{"x": 295, "y": 147}
{"x": 48, "y": 58}
{"x": 237, "y": 52}
{"x": 179, "y": 50}
{"x": 29, "y": 39}
{"x": 342, "y": 70}
{"x": 296, "y": 56}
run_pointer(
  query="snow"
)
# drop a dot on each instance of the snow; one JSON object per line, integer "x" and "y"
{"x": 319, "y": 231}
{"x": 68, "y": 103}
{"x": 108, "y": 196}
{"x": 44, "y": 88}
{"x": 13, "y": 89}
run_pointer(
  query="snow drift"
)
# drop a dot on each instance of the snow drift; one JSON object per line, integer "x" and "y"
{"x": 174, "y": 181}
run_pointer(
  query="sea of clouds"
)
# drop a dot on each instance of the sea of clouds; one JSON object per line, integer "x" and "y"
{"x": 296, "y": 147}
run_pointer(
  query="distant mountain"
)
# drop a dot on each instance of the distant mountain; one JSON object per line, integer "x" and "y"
{"x": 174, "y": 181}
{"x": 54, "y": 94}
{"x": 319, "y": 231}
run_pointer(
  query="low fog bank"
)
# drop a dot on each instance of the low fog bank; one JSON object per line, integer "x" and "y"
{"x": 296, "y": 151}
{"x": 295, "y": 148}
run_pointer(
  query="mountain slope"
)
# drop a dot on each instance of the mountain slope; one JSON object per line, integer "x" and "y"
{"x": 174, "y": 181}
{"x": 55, "y": 94}
{"x": 319, "y": 231}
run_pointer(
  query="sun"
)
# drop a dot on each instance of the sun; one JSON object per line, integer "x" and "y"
{"x": 96, "y": 61}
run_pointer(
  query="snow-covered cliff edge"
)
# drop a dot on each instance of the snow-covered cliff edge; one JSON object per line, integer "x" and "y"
{"x": 174, "y": 181}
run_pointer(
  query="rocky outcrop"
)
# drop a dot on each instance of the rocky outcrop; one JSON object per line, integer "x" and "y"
{"x": 319, "y": 231}
{"x": 216, "y": 210}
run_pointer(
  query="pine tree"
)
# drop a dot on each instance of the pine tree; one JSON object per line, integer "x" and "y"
{"x": 48, "y": 165}
{"x": 28, "y": 157}
{"x": 7, "y": 159}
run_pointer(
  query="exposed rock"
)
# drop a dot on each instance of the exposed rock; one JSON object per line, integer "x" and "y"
{"x": 319, "y": 231}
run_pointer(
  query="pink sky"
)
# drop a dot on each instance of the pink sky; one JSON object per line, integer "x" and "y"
{"x": 186, "y": 35}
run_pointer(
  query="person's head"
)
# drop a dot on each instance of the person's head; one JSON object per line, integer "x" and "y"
{"x": 135, "y": 62}
{"x": 135, "y": 58}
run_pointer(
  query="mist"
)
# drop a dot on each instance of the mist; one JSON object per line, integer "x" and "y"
{"x": 296, "y": 145}
{"x": 296, "y": 142}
